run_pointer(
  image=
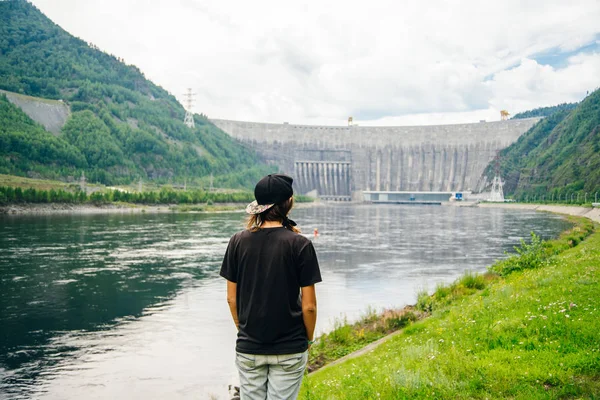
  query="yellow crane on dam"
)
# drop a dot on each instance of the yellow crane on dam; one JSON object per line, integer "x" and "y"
{"x": 504, "y": 115}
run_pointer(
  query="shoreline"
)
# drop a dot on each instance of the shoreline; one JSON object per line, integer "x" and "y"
{"x": 590, "y": 213}
{"x": 58, "y": 208}
{"x": 66, "y": 208}
{"x": 452, "y": 330}
{"x": 586, "y": 212}
{"x": 126, "y": 208}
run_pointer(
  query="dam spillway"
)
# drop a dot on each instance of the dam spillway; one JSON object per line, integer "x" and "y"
{"x": 338, "y": 161}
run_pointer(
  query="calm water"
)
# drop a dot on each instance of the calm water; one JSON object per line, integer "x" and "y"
{"x": 131, "y": 306}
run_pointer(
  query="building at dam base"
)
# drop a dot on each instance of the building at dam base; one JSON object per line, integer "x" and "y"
{"x": 392, "y": 197}
{"x": 340, "y": 162}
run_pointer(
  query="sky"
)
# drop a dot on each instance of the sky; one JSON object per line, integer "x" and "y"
{"x": 382, "y": 62}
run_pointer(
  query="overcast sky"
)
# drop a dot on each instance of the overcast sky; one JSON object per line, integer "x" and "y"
{"x": 382, "y": 62}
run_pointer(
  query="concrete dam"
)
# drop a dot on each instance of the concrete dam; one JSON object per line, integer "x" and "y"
{"x": 341, "y": 161}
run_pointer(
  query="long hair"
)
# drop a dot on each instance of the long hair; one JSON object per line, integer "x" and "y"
{"x": 277, "y": 213}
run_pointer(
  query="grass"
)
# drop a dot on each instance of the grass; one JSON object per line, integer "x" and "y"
{"x": 38, "y": 184}
{"x": 518, "y": 333}
{"x": 346, "y": 338}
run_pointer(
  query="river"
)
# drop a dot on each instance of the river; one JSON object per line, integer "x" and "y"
{"x": 132, "y": 306}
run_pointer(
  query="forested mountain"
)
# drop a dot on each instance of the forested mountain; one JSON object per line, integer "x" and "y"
{"x": 559, "y": 155}
{"x": 545, "y": 111}
{"x": 122, "y": 126}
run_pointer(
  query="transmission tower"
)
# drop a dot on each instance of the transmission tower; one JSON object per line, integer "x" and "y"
{"x": 189, "y": 102}
{"x": 497, "y": 194}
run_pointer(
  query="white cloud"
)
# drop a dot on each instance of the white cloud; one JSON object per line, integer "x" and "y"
{"x": 319, "y": 62}
{"x": 533, "y": 85}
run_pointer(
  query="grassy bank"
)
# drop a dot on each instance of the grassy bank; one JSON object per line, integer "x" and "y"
{"x": 527, "y": 329}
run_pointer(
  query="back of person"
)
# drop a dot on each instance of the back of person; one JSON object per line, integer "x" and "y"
{"x": 271, "y": 271}
{"x": 270, "y": 266}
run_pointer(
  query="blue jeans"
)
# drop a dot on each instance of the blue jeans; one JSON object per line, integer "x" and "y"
{"x": 271, "y": 377}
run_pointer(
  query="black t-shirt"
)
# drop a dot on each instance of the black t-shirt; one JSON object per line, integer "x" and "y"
{"x": 270, "y": 266}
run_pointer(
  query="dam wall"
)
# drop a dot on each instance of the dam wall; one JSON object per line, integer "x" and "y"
{"x": 337, "y": 161}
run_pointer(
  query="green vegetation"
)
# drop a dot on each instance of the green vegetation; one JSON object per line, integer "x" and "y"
{"x": 545, "y": 111}
{"x": 10, "y": 195}
{"x": 300, "y": 198}
{"x": 42, "y": 184}
{"x": 166, "y": 195}
{"x": 122, "y": 126}
{"x": 535, "y": 254}
{"x": 558, "y": 159}
{"x": 524, "y": 330}
{"x": 26, "y": 146}
{"x": 347, "y": 338}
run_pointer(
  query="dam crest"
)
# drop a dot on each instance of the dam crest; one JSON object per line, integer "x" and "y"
{"x": 339, "y": 162}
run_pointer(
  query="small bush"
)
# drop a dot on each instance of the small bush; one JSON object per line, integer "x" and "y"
{"x": 424, "y": 301}
{"x": 473, "y": 281}
{"x": 532, "y": 255}
{"x": 342, "y": 332}
{"x": 529, "y": 256}
{"x": 400, "y": 321}
{"x": 442, "y": 291}
{"x": 369, "y": 316}
{"x": 573, "y": 240}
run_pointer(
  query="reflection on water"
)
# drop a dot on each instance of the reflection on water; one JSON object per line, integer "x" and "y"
{"x": 97, "y": 306}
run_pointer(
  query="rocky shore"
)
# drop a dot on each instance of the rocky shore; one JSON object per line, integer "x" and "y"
{"x": 58, "y": 208}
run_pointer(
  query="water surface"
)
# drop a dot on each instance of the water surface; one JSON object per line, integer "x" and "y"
{"x": 131, "y": 306}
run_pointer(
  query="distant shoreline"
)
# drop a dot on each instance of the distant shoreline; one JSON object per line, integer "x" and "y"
{"x": 587, "y": 212}
{"x": 130, "y": 208}
{"x": 65, "y": 208}
{"x": 124, "y": 208}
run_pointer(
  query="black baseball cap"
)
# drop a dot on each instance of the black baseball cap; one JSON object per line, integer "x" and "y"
{"x": 270, "y": 190}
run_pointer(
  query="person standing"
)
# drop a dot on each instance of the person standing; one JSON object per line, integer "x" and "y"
{"x": 271, "y": 272}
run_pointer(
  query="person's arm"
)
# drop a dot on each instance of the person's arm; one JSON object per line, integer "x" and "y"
{"x": 231, "y": 300}
{"x": 309, "y": 310}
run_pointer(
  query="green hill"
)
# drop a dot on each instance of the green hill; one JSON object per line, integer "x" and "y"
{"x": 559, "y": 155}
{"x": 121, "y": 127}
{"x": 545, "y": 111}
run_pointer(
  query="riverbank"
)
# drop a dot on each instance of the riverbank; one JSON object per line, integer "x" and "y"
{"x": 116, "y": 208}
{"x": 125, "y": 208}
{"x": 529, "y": 334}
{"x": 592, "y": 213}
{"x": 65, "y": 208}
